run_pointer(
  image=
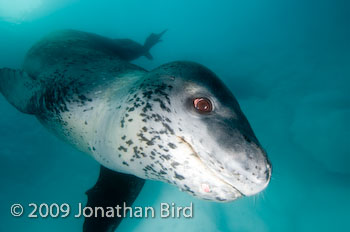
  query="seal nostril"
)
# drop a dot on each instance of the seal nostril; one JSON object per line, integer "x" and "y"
{"x": 247, "y": 139}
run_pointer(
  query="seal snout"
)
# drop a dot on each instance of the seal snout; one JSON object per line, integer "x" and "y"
{"x": 248, "y": 171}
{"x": 258, "y": 178}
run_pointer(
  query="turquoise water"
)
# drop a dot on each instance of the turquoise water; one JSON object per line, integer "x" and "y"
{"x": 288, "y": 64}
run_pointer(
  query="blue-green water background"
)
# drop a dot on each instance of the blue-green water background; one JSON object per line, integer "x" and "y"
{"x": 288, "y": 64}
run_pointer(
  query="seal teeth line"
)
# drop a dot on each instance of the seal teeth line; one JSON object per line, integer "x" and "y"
{"x": 195, "y": 154}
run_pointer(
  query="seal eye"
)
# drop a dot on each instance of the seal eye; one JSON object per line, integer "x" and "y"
{"x": 202, "y": 105}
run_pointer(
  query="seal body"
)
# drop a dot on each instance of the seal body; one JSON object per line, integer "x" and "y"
{"x": 82, "y": 87}
{"x": 80, "y": 79}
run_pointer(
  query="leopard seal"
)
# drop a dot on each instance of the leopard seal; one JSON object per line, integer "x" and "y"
{"x": 178, "y": 123}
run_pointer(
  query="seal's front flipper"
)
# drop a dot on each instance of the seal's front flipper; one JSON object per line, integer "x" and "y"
{"x": 152, "y": 40}
{"x": 112, "y": 189}
{"x": 18, "y": 88}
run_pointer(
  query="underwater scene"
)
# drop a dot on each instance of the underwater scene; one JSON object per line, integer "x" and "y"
{"x": 218, "y": 116}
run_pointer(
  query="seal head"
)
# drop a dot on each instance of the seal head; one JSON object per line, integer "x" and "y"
{"x": 186, "y": 128}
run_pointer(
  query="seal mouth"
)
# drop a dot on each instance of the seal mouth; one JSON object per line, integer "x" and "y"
{"x": 195, "y": 155}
